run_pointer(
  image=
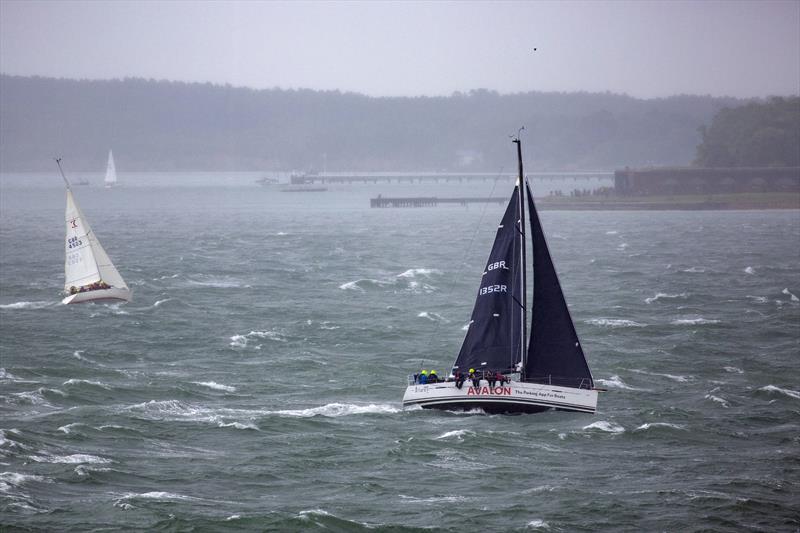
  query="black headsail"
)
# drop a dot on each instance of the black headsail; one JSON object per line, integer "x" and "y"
{"x": 493, "y": 340}
{"x": 554, "y": 353}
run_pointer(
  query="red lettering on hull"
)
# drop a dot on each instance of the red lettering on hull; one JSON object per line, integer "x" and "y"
{"x": 489, "y": 391}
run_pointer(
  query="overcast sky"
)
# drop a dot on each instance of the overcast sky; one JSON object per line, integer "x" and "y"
{"x": 645, "y": 49}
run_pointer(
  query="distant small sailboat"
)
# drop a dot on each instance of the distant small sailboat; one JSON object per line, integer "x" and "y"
{"x": 496, "y": 369}
{"x": 111, "y": 171}
{"x": 89, "y": 274}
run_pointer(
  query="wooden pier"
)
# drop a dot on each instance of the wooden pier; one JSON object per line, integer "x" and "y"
{"x": 436, "y": 177}
{"x": 429, "y": 201}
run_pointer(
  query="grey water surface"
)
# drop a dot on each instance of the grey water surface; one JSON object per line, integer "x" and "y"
{"x": 255, "y": 381}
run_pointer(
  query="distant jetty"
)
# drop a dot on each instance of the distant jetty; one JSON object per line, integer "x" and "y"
{"x": 698, "y": 202}
{"x": 428, "y": 201}
{"x": 446, "y": 177}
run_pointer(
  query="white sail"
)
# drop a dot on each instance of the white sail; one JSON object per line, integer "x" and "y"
{"x": 111, "y": 171}
{"x": 80, "y": 264}
{"x": 108, "y": 272}
{"x": 86, "y": 261}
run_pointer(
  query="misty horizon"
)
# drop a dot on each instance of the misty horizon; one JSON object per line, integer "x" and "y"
{"x": 455, "y": 93}
{"x": 406, "y": 49}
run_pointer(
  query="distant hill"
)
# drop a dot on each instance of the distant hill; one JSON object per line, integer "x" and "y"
{"x": 161, "y": 125}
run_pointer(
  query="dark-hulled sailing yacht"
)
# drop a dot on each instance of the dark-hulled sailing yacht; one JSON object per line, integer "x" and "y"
{"x": 548, "y": 372}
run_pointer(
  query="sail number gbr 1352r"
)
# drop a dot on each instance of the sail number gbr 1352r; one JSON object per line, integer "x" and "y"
{"x": 489, "y": 289}
{"x": 492, "y": 288}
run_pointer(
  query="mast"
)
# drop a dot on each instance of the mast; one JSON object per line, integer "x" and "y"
{"x": 523, "y": 262}
{"x": 58, "y": 162}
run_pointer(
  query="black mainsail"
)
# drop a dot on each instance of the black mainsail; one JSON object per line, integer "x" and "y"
{"x": 554, "y": 354}
{"x": 493, "y": 340}
{"x": 497, "y": 330}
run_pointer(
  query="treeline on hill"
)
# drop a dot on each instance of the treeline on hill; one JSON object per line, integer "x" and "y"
{"x": 161, "y": 125}
{"x": 757, "y": 134}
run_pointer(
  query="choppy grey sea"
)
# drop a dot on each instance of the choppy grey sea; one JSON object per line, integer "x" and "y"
{"x": 255, "y": 381}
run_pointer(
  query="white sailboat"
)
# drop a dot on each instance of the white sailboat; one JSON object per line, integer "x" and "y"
{"x": 111, "y": 171}
{"x": 497, "y": 370}
{"x": 89, "y": 274}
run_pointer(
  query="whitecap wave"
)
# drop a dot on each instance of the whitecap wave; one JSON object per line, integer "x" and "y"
{"x": 733, "y": 370}
{"x": 216, "y": 386}
{"x": 6, "y": 442}
{"x": 655, "y": 425}
{"x": 16, "y": 479}
{"x": 792, "y": 298}
{"x": 608, "y": 427}
{"x": 170, "y": 410}
{"x": 414, "y": 272}
{"x": 749, "y": 270}
{"x": 458, "y": 434}
{"x": 674, "y": 377}
{"x": 664, "y": 296}
{"x": 27, "y": 305}
{"x": 615, "y": 382}
{"x": 68, "y": 428}
{"x": 339, "y": 409}
{"x": 615, "y": 323}
{"x": 758, "y": 299}
{"x": 82, "y": 458}
{"x": 86, "y": 470}
{"x": 612, "y": 232}
{"x": 418, "y": 288}
{"x": 435, "y": 317}
{"x": 238, "y": 425}
{"x": 155, "y": 495}
{"x": 34, "y": 397}
{"x": 241, "y": 341}
{"x": 694, "y": 270}
{"x": 721, "y": 401}
{"x": 173, "y": 276}
{"x": 353, "y": 285}
{"x": 7, "y": 375}
{"x": 695, "y": 321}
{"x": 433, "y": 499}
{"x": 786, "y": 392}
{"x": 71, "y": 382}
{"x": 360, "y": 284}
{"x": 541, "y": 488}
{"x": 537, "y": 524}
